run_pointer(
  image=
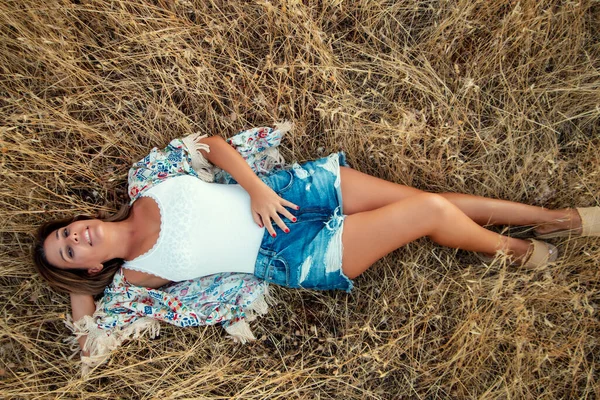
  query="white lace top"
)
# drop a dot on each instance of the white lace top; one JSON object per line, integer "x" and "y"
{"x": 206, "y": 228}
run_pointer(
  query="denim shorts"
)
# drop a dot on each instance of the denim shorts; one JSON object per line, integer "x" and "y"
{"x": 310, "y": 255}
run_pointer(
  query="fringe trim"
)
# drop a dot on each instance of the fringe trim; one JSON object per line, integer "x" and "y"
{"x": 284, "y": 127}
{"x": 260, "y": 306}
{"x": 240, "y": 332}
{"x": 201, "y": 165}
{"x": 272, "y": 158}
{"x": 100, "y": 342}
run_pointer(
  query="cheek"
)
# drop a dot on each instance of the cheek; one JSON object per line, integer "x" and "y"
{"x": 86, "y": 257}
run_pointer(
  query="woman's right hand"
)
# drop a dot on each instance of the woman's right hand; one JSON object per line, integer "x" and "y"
{"x": 267, "y": 205}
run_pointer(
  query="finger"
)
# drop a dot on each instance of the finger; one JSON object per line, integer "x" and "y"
{"x": 277, "y": 219}
{"x": 287, "y": 214}
{"x": 257, "y": 219}
{"x": 290, "y": 204}
{"x": 269, "y": 226}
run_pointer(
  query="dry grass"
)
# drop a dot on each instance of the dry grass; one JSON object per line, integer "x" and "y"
{"x": 486, "y": 97}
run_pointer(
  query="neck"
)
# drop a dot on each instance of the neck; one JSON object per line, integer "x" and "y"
{"x": 123, "y": 237}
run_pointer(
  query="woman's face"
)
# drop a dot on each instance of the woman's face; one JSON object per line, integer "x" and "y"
{"x": 79, "y": 245}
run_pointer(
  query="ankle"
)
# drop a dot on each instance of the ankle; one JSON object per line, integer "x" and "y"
{"x": 521, "y": 250}
{"x": 567, "y": 219}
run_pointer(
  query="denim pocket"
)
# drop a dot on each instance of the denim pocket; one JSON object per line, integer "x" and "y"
{"x": 279, "y": 272}
{"x": 280, "y": 181}
{"x": 275, "y": 269}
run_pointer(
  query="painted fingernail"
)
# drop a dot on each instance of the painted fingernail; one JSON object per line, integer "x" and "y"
{"x": 293, "y": 219}
{"x": 297, "y": 207}
{"x": 273, "y": 234}
{"x": 287, "y": 230}
{"x": 259, "y": 225}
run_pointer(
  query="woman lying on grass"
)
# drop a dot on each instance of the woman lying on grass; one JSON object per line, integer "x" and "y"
{"x": 317, "y": 225}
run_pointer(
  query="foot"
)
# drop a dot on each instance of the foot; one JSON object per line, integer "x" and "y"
{"x": 540, "y": 254}
{"x": 516, "y": 249}
{"x": 528, "y": 253}
{"x": 565, "y": 220}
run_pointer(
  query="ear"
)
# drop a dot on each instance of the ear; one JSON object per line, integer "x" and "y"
{"x": 95, "y": 269}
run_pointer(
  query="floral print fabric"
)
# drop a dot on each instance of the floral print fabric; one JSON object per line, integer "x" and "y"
{"x": 220, "y": 298}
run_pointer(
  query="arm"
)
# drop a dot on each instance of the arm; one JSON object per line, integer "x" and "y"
{"x": 82, "y": 304}
{"x": 266, "y": 204}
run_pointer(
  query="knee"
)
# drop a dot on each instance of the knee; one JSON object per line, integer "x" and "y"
{"x": 438, "y": 206}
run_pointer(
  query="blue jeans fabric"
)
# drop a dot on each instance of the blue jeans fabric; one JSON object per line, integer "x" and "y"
{"x": 310, "y": 255}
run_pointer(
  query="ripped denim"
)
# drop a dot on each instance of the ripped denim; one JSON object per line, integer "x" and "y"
{"x": 310, "y": 255}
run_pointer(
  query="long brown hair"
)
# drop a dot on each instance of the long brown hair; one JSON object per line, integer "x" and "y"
{"x": 74, "y": 280}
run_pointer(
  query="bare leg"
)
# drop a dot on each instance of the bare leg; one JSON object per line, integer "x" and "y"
{"x": 362, "y": 192}
{"x": 486, "y": 211}
{"x": 370, "y": 235}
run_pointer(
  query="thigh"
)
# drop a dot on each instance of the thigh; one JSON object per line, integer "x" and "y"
{"x": 370, "y": 235}
{"x": 363, "y": 192}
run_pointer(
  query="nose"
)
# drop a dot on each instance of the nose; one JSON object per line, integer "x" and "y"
{"x": 74, "y": 237}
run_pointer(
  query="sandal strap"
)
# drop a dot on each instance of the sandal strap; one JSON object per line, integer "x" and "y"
{"x": 590, "y": 221}
{"x": 542, "y": 254}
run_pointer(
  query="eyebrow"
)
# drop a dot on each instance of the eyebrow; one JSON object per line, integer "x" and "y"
{"x": 60, "y": 250}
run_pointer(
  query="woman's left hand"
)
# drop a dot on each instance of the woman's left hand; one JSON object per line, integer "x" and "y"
{"x": 267, "y": 205}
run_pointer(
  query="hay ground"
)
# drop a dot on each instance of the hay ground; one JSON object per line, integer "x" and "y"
{"x": 495, "y": 98}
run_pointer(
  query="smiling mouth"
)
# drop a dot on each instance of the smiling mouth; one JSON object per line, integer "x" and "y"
{"x": 87, "y": 235}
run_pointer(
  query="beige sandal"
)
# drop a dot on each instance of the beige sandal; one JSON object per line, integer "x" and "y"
{"x": 488, "y": 259}
{"x": 590, "y": 225}
{"x": 542, "y": 254}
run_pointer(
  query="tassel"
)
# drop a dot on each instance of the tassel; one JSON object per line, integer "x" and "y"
{"x": 272, "y": 159}
{"x": 258, "y": 307}
{"x": 203, "y": 168}
{"x": 284, "y": 127}
{"x": 240, "y": 332}
{"x": 101, "y": 342}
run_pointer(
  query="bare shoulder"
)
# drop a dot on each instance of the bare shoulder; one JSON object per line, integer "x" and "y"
{"x": 139, "y": 278}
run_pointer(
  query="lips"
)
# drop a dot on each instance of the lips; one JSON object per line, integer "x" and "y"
{"x": 88, "y": 236}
